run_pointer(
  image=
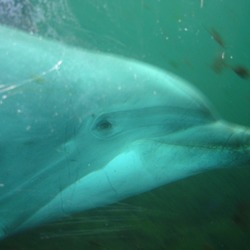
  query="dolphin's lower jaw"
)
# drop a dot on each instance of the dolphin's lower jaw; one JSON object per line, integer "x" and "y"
{"x": 154, "y": 162}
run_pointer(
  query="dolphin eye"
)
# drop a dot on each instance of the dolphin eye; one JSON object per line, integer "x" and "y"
{"x": 104, "y": 125}
{"x": 107, "y": 126}
{"x": 103, "y": 128}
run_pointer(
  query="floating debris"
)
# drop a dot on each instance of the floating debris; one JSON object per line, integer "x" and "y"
{"x": 217, "y": 37}
{"x": 241, "y": 71}
{"x": 219, "y": 63}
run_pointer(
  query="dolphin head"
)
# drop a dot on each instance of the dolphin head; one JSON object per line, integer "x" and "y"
{"x": 81, "y": 129}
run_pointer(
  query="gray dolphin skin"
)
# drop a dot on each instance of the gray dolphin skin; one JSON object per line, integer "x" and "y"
{"x": 80, "y": 130}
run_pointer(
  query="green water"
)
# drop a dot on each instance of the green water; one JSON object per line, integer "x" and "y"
{"x": 177, "y": 36}
{"x": 194, "y": 39}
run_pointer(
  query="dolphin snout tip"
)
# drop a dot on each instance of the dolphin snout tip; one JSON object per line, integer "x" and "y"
{"x": 242, "y": 136}
{"x": 235, "y": 138}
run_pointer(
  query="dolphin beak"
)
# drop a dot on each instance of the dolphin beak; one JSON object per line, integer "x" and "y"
{"x": 218, "y": 135}
{"x": 195, "y": 150}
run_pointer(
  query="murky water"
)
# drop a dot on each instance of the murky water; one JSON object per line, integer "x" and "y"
{"x": 205, "y": 42}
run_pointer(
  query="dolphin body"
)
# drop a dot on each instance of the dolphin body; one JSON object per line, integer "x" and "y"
{"x": 79, "y": 130}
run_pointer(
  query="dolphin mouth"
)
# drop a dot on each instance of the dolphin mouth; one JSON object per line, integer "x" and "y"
{"x": 194, "y": 150}
{"x": 214, "y": 136}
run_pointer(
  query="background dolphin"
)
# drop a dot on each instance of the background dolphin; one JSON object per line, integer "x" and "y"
{"x": 80, "y": 130}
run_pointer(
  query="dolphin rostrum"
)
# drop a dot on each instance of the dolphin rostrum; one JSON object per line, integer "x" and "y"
{"x": 81, "y": 129}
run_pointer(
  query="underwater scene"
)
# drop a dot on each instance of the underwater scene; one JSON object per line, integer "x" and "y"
{"x": 124, "y": 124}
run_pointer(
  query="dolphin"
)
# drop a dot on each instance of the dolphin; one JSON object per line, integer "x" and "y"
{"x": 82, "y": 129}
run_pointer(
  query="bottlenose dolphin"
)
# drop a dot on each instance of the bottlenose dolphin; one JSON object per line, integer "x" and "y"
{"x": 81, "y": 129}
